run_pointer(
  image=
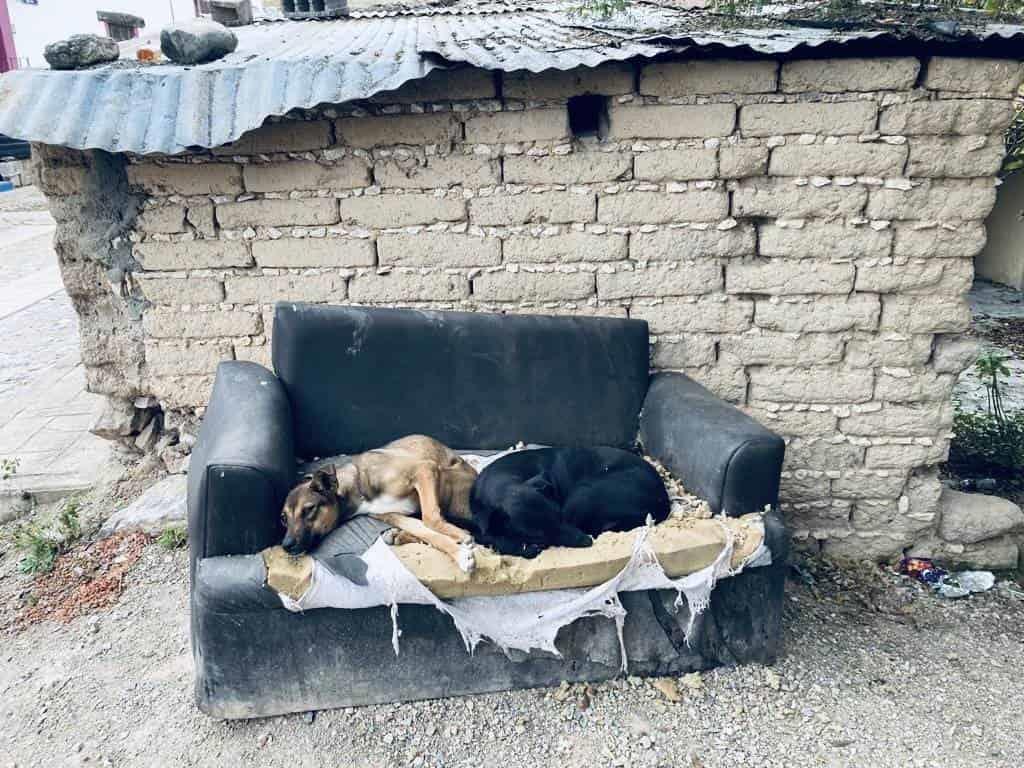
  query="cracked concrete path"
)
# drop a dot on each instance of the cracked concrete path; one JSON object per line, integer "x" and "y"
{"x": 45, "y": 412}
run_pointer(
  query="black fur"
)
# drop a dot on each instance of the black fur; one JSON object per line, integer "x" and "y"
{"x": 530, "y": 500}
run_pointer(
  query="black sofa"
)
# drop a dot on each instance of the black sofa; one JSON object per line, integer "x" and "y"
{"x": 349, "y": 379}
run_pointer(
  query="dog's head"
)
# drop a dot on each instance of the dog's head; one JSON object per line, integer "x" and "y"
{"x": 311, "y": 511}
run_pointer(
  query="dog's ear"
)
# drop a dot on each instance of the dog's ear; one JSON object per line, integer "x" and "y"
{"x": 324, "y": 481}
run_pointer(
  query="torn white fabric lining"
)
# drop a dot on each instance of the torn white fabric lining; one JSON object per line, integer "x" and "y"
{"x": 524, "y": 621}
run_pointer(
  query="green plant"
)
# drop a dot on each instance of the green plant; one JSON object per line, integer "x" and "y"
{"x": 40, "y": 546}
{"x": 172, "y": 538}
{"x": 39, "y": 549}
{"x": 9, "y": 468}
{"x": 991, "y": 366}
{"x": 984, "y": 446}
{"x": 601, "y": 8}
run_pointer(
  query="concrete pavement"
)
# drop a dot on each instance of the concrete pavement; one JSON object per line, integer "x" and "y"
{"x": 45, "y": 413}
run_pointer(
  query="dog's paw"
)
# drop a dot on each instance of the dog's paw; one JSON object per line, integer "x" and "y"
{"x": 466, "y": 558}
{"x": 390, "y": 536}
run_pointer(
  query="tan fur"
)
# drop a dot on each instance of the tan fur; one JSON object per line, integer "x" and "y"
{"x": 416, "y": 468}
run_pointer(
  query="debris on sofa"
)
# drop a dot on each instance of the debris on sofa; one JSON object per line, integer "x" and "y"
{"x": 491, "y": 603}
{"x": 79, "y": 51}
{"x": 196, "y": 41}
{"x": 160, "y": 506}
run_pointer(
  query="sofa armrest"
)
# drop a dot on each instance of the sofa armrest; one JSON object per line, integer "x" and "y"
{"x": 242, "y": 465}
{"x": 716, "y": 450}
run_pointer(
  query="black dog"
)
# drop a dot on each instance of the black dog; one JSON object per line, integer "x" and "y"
{"x": 530, "y": 500}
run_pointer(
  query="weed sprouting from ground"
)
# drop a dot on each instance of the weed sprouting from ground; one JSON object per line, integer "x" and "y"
{"x": 39, "y": 545}
{"x": 172, "y": 538}
{"x": 9, "y": 468}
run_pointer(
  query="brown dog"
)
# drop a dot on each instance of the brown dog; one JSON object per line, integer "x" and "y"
{"x": 414, "y": 474}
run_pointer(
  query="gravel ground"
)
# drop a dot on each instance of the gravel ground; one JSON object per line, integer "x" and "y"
{"x": 876, "y": 672}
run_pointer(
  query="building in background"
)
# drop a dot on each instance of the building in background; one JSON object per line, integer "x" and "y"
{"x": 32, "y": 24}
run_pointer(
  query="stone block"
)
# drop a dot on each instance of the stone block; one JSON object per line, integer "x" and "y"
{"x": 888, "y": 349}
{"x": 405, "y": 287}
{"x": 925, "y": 314}
{"x": 182, "y": 392}
{"x": 278, "y": 213}
{"x": 968, "y": 518}
{"x": 958, "y": 117}
{"x": 177, "y": 358}
{"x": 794, "y": 422}
{"x": 709, "y": 315}
{"x": 387, "y": 130}
{"x": 676, "y": 164}
{"x": 759, "y": 348}
{"x": 444, "y": 85}
{"x": 965, "y": 241}
{"x": 186, "y": 178}
{"x": 266, "y": 289}
{"x": 864, "y": 484}
{"x": 437, "y": 249}
{"x": 390, "y": 211}
{"x": 574, "y": 168}
{"x": 516, "y": 127}
{"x": 802, "y": 485}
{"x": 675, "y": 79}
{"x": 347, "y": 173}
{"x": 531, "y": 207}
{"x": 683, "y": 243}
{"x": 934, "y": 200}
{"x": 824, "y": 314}
{"x": 902, "y": 456}
{"x": 288, "y": 136}
{"x": 292, "y": 252}
{"x": 688, "y": 278}
{"x": 193, "y": 254}
{"x": 739, "y": 162}
{"x": 255, "y": 353}
{"x": 201, "y": 217}
{"x": 436, "y": 172}
{"x": 788, "y": 277}
{"x": 564, "y": 248}
{"x": 843, "y": 75}
{"x": 200, "y": 325}
{"x": 694, "y": 205}
{"x": 953, "y": 354}
{"x": 897, "y": 420}
{"x": 913, "y": 386}
{"x": 175, "y": 291}
{"x": 951, "y": 277}
{"x": 689, "y": 351}
{"x": 996, "y": 77}
{"x": 165, "y": 219}
{"x": 725, "y": 379}
{"x": 822, "y": 453}
{"x": 670, "y": 121}
{"x": 607, "y": 80}
{"x": 532, "y": 286}
{"x": 823, "y": 240}
{"x": 781, "y": 198}
{"x": 841, "y": 118}
{"x": 811, "y": 385}
{"x": 955, "y": 157}
{"x": 838, "y": 160}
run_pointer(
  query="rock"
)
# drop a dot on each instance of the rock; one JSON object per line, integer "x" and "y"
{"x": 668, "y": 688}
{"x": 148, "y": 436}
{"x": 967, "y": 518}
{"x": 158, "y": 508}
{"x": 120, "y": 418}
{"x": 196, "y": 41}
{"x": 80, "y": 51}
{"x": 997, "y": 554}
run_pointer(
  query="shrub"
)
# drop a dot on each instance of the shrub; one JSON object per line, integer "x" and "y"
{"x": 40, "y": 546}
{"x": 172, "y": 538}
{"x": 985, "y": 445}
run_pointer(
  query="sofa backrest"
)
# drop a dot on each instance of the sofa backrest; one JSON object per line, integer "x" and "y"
{"x": 359, "y": 377}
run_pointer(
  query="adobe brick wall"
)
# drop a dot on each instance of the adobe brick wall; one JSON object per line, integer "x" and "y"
{"x": 798, "y": 234}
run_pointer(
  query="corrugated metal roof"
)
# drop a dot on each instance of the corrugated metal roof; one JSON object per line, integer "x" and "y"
{"x": 280, "y": 66}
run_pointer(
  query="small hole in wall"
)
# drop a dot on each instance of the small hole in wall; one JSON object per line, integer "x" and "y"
{"x": 588, "y": 116}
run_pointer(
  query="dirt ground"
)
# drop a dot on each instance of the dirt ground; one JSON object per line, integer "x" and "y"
{"x": 876, "y": 672}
